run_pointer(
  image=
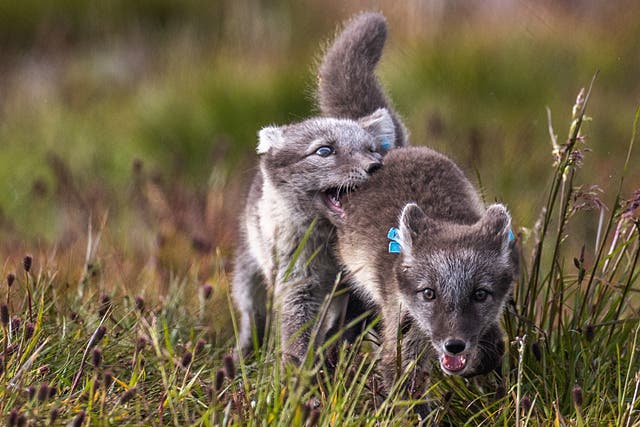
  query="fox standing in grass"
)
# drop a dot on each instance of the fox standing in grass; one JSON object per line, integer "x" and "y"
{"x": 441, "y": 283}
{"x": 304, "y": 170}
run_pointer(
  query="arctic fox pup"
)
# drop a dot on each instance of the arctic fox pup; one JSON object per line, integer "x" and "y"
{"x": 304, "y": 171}
{"x": 417, "y": 241}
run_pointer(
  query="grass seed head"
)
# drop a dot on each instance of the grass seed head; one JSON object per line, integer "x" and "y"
{"x": 219, "y": 379}
{"x": 589, "y": 333}
{"x": 26, "y": 262}
{"x": 11, "y": 277}
{"x": 11, "y": 349}
{"x": 576, "y": 392}
{"x": 105, "y": 303}
{"x": 31, "y": 391}
{"x": 229, "y": 366}
{"x": 4, "y": 314}
{"x": 100, "y": 333}
{"x": 186, "y": 359}
{"x": 501, "y": 391}
{"x": 79, "y": 419}
{"x": 15, "y": 323}
{"x": 29, "y": 328}
{"x": 207, "y": 290}
{"x": 44, "y": 370}
{"x": 108, "y": 379}
{"x": 208, "y": 391}
{"x": 96, "y": 357}
{"x": 199, "y": 346}
{"x": 128, "y": 395}
{"x": 12, "y": 419}
{"x": 525, "y": 402}
{"x": 141, "y": 344}
{"x": 631, "y": 211}
{"x": 53, "y": 415}
{"x": 43, "y": 392}
{"x": 139, "y": 303}
{"x": 535, "y": 349}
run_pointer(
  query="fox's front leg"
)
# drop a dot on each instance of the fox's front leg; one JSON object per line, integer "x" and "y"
{"x": 405, "y": 358}
{"x": 391, "y": 347}
{"x": 250, "y": 296}
{"x": 300, "y": 302}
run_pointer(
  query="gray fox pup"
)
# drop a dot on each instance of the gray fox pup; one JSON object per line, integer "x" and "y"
{"x": 304, "y": 171}
{"x": 416, "y": 240}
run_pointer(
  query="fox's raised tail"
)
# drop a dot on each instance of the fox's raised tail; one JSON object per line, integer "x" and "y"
{"x": 347, "y": 84}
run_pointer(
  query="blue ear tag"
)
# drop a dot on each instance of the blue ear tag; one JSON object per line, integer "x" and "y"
{"x": 512, "y": 237}
{"x": 394, "y": 246}
{"x": 385, "y": 143}
{"x": 393, "y": 234}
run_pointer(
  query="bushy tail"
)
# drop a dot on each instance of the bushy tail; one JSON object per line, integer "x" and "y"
{"x": 347, "y": 84}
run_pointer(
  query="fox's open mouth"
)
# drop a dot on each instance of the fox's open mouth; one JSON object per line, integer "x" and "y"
{"x": 332, "y": 199}
{"x": 453, "y": 364}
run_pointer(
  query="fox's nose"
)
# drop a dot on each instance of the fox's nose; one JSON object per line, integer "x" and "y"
{"x": 455, "y": 346}
{"x": 372, "y": 167}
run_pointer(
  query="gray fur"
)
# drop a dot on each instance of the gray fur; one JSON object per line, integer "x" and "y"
{"x": 450, "y": 243}
{"x": 294, "y": 186}
{"x": 347, "y": 84}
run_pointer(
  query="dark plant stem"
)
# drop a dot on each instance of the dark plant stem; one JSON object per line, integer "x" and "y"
{"x": 558, "y": 177}
{"x": 636, "y": 124}
{"x": 602, "y": 300}
{"x": 557, "y": 305}
{"x": 92, "y": 341}
{"x": 28, "y": 282}
{"x": 592, "y": 275}
{"x": 627, "y": 285}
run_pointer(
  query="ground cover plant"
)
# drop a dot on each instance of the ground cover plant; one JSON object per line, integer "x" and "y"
{"x": 72, "y": 354}
{"x": 127, "y": 131}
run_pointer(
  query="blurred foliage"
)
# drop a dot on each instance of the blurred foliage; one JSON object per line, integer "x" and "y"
{"x": 148, "y": 110}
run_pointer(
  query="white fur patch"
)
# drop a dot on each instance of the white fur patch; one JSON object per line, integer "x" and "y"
{"x": 405, "y": 240}
{"x": 276, "y": 227}
{"x": 269, "y": 137}
{"x": 362, "y": 268}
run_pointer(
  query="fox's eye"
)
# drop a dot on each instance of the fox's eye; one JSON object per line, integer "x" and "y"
{"x": 480, "y": 295}
{"x": 429, "y": 294}
{"x": 324, "y": 151}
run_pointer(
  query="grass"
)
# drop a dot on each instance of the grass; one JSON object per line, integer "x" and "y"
{"x": 185, "y": 97}
{"x": 76, "y": 351}
{"x": 125, "y": 144}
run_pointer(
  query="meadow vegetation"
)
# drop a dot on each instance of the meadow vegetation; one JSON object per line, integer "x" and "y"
{"x": 127, "y": 141}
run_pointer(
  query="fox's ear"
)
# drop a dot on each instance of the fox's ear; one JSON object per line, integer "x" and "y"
{"x": 269, "y": 137}
{"x": 380, "y": 125}
{"x": 496, "y": 225}
{"x": 413, "y": 222}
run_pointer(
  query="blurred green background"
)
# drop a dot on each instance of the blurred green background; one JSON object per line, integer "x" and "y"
{"x": 142, "y": 115}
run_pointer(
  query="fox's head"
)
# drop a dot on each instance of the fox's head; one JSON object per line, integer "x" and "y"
{"x": 316, "y": 161}
{"x": 454, "y": 280}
